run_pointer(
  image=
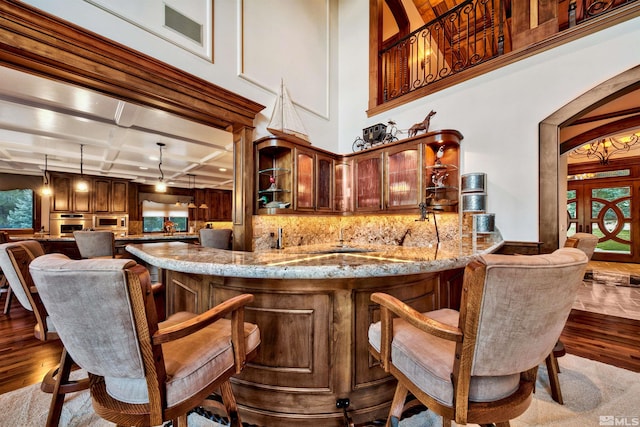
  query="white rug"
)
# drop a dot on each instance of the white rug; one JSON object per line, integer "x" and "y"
{"x": 595, "y": 394}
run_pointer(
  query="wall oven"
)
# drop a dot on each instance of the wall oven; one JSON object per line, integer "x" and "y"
{"x": 118, "y": 223}
{"x": 64, "y": 224}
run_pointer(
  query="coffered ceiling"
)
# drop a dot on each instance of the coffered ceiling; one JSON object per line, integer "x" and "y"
{"x": 41, "y": 117}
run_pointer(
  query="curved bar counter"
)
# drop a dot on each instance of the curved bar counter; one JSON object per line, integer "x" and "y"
{"x": 312, "y": 304}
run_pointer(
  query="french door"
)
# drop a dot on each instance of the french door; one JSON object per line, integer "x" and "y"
{"x": 608, "y": 209}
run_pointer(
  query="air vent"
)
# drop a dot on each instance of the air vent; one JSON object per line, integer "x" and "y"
{"x": 182, "y": 24}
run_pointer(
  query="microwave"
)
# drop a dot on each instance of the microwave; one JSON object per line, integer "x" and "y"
{"x": 118, "y": 223}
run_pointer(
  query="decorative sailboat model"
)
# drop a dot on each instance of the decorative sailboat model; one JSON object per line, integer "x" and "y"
{"x": 284, "y": 119}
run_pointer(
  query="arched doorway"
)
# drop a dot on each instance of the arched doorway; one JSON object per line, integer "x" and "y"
{"x": 552, "y": 169}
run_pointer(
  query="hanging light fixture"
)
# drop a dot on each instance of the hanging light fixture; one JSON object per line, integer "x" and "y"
{"x": 46, "y": 189}
{"x": 82, "y": 186}
{"x": 161, "y": 187}
{"x": 191, "y": 205}
{"x": 603, "y": 149}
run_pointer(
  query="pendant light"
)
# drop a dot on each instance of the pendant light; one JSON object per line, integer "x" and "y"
{"x": 46, "y": 189}
{"x": 161, "y": 187}
{"x": 191, "y": 205}
{"x": 82, "y": 186}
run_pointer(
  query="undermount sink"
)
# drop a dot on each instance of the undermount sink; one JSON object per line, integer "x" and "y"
{"x": 341, "y": 250}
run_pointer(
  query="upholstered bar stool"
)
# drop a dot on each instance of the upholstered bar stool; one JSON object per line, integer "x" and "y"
{"x": 4, "y": 284}
{"x": 96, "y": 244}
{"x": 479, "y": 365}
{"x": 15, "y": 259}
{"x": 143, "y": 372}
{"x": 215, "y": 238}
{"x": 587, "y": 243}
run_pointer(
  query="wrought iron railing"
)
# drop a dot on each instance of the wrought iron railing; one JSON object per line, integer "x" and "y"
{"x": 464, "y": 37}
{"x": 467, "y": 35}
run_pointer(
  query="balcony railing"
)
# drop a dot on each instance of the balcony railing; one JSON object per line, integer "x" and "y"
{"x": 467, "y": 35}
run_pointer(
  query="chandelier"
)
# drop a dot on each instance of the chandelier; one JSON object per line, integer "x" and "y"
{"x": 602, "y": 149}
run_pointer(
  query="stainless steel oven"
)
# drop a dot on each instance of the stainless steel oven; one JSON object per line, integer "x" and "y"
{"x": 64, "y": 224}
{"x": 118, "y": 223}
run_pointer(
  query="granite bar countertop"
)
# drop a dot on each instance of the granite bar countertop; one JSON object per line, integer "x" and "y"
{"x": 128, "y": 237}
{"x": 315, "y": 261}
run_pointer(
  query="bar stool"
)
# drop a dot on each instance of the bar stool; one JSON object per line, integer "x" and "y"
{"x": 96, "y": 244}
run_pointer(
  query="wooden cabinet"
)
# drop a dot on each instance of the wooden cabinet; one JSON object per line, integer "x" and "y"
{"x": 343, "y": 177}
{"x": 368, "y": 182}
{"x": 66, "y": 198}
{"x": 304, "y": 179}
{"x": 292, "y": 177}
{"x": 110, "y": 196}
{"x": 403, "y": 179}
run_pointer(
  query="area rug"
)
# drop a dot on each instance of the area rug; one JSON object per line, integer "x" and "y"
{"x": 595, "y": 394}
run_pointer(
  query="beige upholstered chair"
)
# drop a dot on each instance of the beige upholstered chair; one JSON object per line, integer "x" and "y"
{"x": 479, "y": 365}
{"x": 142, "y": 372}
{"x": 95, "y": 244}
{"x": 15, "y": 259}
{"x": 4, "y": 284}
{"x": 215, "y": 238}
{"x": 586, "y": 243}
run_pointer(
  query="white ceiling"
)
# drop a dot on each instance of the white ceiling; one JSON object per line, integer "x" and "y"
{"x": 41, "y": 117}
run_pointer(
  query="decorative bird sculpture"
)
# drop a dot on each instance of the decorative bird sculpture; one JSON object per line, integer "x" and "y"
{"x": 439, "y": 155}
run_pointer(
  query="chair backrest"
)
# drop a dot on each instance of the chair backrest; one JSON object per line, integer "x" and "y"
{"x": 93, "y": 244}
{"x": 94, "y": 304}
{"x": 215, "y": 238}
{"x": 516, "y": 307}
{"x": 14, "y": 262}
{"x": 586, "y": 242}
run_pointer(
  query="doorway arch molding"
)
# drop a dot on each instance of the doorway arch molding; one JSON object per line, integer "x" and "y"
{"x": 552, "y": 172}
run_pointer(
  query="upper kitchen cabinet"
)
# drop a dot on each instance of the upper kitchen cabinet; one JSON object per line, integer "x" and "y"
{"x": 274, "y": 180}
{"x": 403, "y": 180}
{"x": 292, "y": 177}
{"x": 111, "y": 195}
{"x": 368, "y": 181}
{"x": 304, "y": 179}
{"x": 442, "y": 169}
{"x": 65, "y": 197}
{"x": 343, "y": 178}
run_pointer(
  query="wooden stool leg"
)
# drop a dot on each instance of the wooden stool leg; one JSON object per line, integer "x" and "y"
{"x": 57, "y": 398}
{"x": 554, "y": 382}
{"x": 7, "y": 303}
{"x": 230, "y": 404}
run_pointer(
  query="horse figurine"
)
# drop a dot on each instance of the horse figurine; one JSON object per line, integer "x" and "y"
{"x": 424, "y": 125}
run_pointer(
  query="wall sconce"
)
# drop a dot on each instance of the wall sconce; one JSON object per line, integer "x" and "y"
{"x": 46, "y": 189}
{"x": 82, "y": 186}
{"x": 161, "y": 187}
{"x": 603, "y": 149}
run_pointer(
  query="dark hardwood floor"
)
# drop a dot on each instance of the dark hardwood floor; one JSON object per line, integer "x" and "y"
{"x": 607, "y": 339}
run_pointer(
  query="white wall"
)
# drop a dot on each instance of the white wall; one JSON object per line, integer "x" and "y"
{"x": 498, "y": 113}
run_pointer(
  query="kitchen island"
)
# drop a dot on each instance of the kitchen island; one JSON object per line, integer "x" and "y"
{"x": 312, "y": 304}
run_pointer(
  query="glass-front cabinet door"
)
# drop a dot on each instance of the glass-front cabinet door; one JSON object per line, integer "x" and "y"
{"x": 368, "y": 181}
{"x": 324, "y": 183}
{"x": 343, "y": 200}
{"x": 304, "y": 180}
{"x": 404, "y": 178}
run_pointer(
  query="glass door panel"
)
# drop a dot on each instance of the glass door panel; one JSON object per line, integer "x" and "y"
{"x": 304, "y": 181}
{"x": 403, "y": 178}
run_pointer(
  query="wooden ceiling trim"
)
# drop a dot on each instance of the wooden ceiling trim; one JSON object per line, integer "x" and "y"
{"x": 38, "y": 43}
{"x": 625, "y": 124}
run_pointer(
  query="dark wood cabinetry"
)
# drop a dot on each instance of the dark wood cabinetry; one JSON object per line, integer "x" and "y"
{"x": 368, "y": 182}
{"x": 110, "y": 195}
{"x": 65, "y": 197}
{"x": 395, "y": 177}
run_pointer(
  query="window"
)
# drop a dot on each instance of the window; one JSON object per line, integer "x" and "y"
{"x": 154, "y": 216}
{"x": 16, "y": 209}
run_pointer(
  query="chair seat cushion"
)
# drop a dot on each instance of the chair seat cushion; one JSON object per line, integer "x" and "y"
{"x": 427, "y": 361}
{"x": 189, "y": 361}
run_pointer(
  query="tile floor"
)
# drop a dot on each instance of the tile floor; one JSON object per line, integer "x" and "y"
{"x": 607, "y": 293}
